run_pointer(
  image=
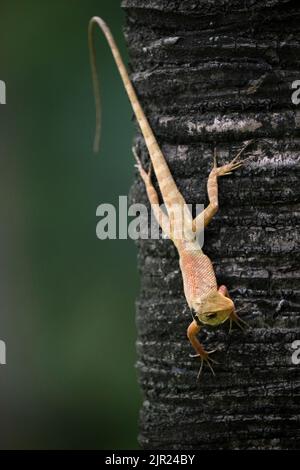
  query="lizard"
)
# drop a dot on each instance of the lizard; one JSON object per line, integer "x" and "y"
{"x": 209, "y": 304}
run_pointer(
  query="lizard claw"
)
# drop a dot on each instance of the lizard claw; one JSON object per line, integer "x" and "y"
{"x": 235, "y": 163}
{"x": 215, "y": 158}
{"x": 144, "y": 175}
{"x": 236, "y": 158}
{"x": 205, "y": 360}
{"x": 208, "y": 362}
{"x": 234, "y": 318}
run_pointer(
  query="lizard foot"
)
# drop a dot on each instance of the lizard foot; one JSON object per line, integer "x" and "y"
{"x": 234, "y": 318}
{"x": 205, "y": 360}
{"x": 146, "y": 176}
{"x": 235, "y": 163}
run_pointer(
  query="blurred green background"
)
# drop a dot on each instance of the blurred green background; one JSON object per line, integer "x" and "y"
{"x": 67, "y": 298}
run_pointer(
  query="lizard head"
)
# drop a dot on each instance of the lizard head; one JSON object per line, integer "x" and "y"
{"x": 214, "y": 309}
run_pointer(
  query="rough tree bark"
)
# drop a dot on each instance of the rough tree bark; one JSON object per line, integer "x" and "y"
{"x": 220, "y": 72}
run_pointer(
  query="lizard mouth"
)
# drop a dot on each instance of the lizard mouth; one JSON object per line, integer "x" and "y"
{"x": 213, "y": 318}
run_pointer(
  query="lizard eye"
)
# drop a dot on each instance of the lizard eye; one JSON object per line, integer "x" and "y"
{"x": 212, "y": 315}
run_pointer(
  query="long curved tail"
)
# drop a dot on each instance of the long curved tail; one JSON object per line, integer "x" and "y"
{"x": 167, "y": 184}
{"x": 142, "y": 120}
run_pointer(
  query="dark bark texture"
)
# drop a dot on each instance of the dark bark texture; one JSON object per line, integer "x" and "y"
{"x": 218, "y": 72}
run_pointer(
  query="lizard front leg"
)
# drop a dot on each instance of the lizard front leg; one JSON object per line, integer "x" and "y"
{"x": 210, "y": 211}
{"x": 233, "y": 317}
{"x": 192, "y": 332}
{"x": 203, "y": 219}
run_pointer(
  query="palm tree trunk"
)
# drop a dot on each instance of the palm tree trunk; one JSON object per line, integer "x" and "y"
{"x": 218, "y": 73}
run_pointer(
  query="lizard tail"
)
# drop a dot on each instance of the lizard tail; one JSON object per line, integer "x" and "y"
{"x": 96, "y": 85}
{"x": 142, "y": 120}
{"x": 167, "y": 184}
{"x": 139, "y": 113}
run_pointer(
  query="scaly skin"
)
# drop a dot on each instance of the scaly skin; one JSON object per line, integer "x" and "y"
{"x": 211, "y": 305}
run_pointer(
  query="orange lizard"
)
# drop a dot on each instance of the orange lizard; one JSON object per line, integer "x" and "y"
{"x": 209, "y": 304}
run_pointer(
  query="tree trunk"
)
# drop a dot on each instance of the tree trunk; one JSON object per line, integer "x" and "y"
{"x": 218, "y": 73}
